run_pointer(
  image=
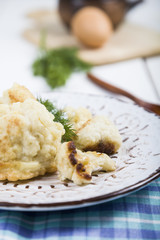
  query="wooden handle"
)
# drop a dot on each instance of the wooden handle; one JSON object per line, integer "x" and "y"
{"x": 148, "y": 106}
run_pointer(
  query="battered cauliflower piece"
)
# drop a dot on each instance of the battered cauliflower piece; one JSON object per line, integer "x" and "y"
{"x": 29, "y": 140}
{"x": 78, "y": 166}
{"x": 95, "y": 133}
{"x": 15, "y": 94}
{"x": 78, "y": 117}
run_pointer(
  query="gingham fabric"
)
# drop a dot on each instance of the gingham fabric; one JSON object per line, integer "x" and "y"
{"x": 136, "y": 216}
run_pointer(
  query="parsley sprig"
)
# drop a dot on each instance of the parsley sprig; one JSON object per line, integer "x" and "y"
{"x": 56, "y": 65}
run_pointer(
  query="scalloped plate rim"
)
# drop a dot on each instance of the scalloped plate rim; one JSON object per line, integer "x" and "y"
{"x": 82, "y": 203}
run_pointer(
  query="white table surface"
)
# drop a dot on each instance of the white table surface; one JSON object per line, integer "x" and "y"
{"x": 140, "y": 77}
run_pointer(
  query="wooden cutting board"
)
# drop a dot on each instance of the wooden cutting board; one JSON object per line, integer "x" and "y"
{"x": 128, "y": 41}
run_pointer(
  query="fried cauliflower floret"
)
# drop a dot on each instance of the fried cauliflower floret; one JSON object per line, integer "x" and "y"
{"x": 78, "y": 166}
{"x": 78, "y": 117}
{"x": 15, "y": 94}
{"x": 99, "y": 134}
{"x": 96, "y": 133}
{"x": 29, "y": 140}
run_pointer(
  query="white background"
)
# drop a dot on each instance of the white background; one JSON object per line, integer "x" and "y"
{"x": 140, "y": 77}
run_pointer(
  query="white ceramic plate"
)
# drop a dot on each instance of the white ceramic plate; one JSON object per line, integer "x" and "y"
{"x": 138, "y": 161}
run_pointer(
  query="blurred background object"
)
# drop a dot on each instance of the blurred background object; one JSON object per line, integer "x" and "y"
{"x": 91, "y": 29}
{"x": 127, "y": 59}
{"x": 115, "y": 9}
{"x": 91, "y": 26}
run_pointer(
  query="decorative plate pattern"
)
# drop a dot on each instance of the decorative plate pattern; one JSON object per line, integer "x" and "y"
{"x": 138, "y": 160}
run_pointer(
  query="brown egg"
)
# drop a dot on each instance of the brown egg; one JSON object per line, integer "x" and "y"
{"x": 91, "y": 26}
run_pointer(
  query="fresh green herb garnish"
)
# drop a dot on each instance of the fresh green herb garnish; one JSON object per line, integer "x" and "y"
{"x": 59, "y": 116}
{"x": 58, "y": 64}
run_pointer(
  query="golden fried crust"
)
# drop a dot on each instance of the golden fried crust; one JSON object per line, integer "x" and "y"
{"x": 11, "y": 125}
{"x": 100, "y": 135}
{"x": 103, "y": 146}
{"x": 15, "y": 94}
{"x": 78, "y": 166}
{"x": 94, "y": 133}
{"x": 14, "y": 171}
{"x": 78, "y": 117}
{"x": 29, "y": 141}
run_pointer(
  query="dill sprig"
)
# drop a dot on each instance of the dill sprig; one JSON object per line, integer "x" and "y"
{"x": 59, "y": 116}
{"x": 56, "y": 65}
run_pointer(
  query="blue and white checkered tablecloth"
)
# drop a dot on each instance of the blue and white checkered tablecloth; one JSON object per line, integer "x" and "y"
{"x": 136, "y": 216}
